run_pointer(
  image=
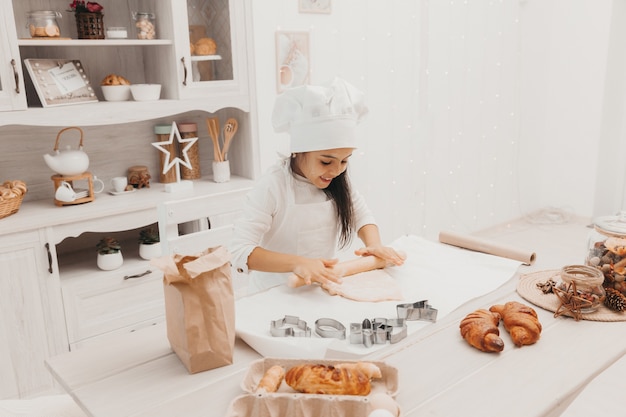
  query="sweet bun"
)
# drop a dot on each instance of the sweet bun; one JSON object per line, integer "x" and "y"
{"x": 113, "y": 79}
{"x": 205, "y": 46}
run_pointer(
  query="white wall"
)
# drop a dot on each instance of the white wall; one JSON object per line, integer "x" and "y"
{"x": 480, "y": 110}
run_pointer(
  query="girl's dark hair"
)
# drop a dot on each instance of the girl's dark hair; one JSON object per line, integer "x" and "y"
{"x": 339, "y": 192}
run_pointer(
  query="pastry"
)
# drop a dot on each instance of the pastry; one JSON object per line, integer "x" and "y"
{"x": 342, "y": 379}
{"x": 113, "y": 79}
{"x": 480, "y": 330}
{"x": 520, "y": 321}
{"x": 205, "y": 46}
{"x": 271, "y": 380}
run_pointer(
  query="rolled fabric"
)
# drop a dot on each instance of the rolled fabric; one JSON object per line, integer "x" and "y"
{"x": 486, "y": 246}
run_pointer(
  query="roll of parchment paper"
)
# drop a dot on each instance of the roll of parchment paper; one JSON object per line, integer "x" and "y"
{"x": 486, "y": 246}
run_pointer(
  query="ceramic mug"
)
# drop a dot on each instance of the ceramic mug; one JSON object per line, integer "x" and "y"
{"x": 119, "y": 184}
{"x": 65, "y": 192}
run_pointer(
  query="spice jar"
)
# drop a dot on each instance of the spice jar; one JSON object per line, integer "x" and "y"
{"x": 43, "y": 24}
{"x": 607, "y": 250}
{"x": 587, "y": 281}
{"x": 187, "y": 131}
{"x": 163, "y": 135}
{"x": 144, "y": 22}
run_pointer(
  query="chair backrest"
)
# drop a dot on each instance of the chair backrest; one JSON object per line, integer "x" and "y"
{"x": 189, "y": 226}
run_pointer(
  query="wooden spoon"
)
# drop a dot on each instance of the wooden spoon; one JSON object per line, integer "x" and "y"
{"x": 229, "y": 131}
{"x": 212, "y": 124}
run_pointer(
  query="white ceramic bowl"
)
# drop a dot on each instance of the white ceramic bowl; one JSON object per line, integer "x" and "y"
{"x": 116, "y": 92}
{"x": 145, "y": 92}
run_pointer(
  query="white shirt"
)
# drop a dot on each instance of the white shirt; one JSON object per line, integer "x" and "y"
{"x": 267, "y": 207}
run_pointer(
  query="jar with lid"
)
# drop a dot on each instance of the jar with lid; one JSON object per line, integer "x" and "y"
{"x": 145, "y": 24}
{"x": 587, "y": 281}
{"x": 189, "y": 130}
{"x": 607, "y": 250}
{"x": 162, "y": 133}
{"x": 43, "y": 24}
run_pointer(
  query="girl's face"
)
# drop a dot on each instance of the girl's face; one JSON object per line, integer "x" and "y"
{"x": 320, "y": 167}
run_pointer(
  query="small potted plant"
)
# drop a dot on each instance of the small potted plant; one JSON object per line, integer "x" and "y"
{"x": 149, "y": 243}
{"x": 109, "y": 254}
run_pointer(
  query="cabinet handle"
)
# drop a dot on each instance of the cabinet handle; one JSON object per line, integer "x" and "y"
{"x": 17, "y": 81}
{"x": 143, "y": 274}
{"x": 49, "y": 258}
{"x": 184, "y": 71}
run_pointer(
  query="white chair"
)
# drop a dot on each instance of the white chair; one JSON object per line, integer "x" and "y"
{"x": 191, "y": 225}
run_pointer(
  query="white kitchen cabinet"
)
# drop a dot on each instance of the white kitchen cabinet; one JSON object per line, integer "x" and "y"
{"x": 166, "y": 60}
{"x": 12, "y": 92}
{"x": 45, "y": 313}
{"x": 32, "y": 326}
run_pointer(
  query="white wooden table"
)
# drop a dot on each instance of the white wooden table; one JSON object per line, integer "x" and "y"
{"x": 440, "y": 375}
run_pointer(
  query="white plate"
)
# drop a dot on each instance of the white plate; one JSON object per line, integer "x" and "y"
{"x": 122, "y": 192}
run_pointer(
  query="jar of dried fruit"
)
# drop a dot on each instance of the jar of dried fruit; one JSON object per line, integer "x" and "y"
{"x": 607, "y": 250}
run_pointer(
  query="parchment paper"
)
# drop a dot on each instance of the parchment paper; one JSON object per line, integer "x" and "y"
{"x": 486, "y": 246}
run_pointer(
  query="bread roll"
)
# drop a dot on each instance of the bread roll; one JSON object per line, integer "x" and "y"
{"x": 271, "y": 380}
{"x": 343, "y": 379}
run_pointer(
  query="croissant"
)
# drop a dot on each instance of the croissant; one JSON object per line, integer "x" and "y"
{"x": 520, "y": 321}
{"x": 272, "y": 378}
{"x": 342, "y": 379}
{"x": 480, "y": 330}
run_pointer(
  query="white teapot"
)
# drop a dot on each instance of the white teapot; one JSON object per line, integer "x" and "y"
{"x": 69, "y": 161}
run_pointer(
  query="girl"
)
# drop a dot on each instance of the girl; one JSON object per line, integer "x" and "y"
{"x": 304, "y": 209}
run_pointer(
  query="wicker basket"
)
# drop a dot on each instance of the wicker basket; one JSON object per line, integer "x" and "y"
{"x": 10, "y": 206}
{"x": 90, "y": 25}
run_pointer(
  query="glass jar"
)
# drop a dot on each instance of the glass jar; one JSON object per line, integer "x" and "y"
{"x": 588, "y": 282}
{"x": 189, "y": 130}
{"x": 607, "y": 250}
{"x": 43, "y": 24}
{"x": 145, "y": 24}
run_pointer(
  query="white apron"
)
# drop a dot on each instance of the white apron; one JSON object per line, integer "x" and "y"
{"x": 306, "y": 230}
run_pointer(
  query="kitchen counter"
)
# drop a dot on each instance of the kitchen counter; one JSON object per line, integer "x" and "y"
{"x": 439, "y": 374}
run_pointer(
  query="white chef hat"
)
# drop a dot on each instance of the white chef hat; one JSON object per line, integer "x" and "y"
{"x": 320, "y": 117}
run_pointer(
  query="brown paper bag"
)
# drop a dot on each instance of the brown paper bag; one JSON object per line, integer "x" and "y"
{"x": 199, "y": 307}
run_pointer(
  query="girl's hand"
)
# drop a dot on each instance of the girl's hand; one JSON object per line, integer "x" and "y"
{"x": 385, "y": 252}
{"x": 317, "y": 270}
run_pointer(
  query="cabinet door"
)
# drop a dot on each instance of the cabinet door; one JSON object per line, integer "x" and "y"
{"x": 30, "y": 327}
{"x": 12, "y": 94}
{"x": 211, "y": 47}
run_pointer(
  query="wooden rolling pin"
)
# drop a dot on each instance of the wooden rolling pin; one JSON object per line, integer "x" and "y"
{"x": 351, "y": 267}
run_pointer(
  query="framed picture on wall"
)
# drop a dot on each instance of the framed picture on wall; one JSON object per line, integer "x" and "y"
{"x": 292, "y": 59}
{"x": 314, "y": 6}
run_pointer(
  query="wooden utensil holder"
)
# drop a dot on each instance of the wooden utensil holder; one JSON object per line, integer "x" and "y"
{"x": 58, "y": 179}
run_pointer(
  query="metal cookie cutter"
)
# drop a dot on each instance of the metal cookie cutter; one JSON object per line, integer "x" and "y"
{"x": 362, "y": 333}
{"x": 330, "y": 328}
{"x": 393, "y": 330}
{"x": 420, "y": 310}
{"x": 290, "y": 326}
{"x": 378, "y": 331}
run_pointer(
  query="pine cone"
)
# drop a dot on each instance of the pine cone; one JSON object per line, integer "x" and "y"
{"x": 615, "y": 300}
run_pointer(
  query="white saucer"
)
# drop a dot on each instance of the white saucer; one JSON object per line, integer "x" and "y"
{"x": 122, "y": 192}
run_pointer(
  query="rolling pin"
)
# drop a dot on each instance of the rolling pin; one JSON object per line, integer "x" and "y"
{"x": 351, "y": 267}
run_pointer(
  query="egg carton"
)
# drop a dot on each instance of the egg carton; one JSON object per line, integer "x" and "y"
{"x": 287, "y": 402}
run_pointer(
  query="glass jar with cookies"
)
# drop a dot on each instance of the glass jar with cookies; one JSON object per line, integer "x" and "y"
{"x": 43, "y": 24}
{"x": 145, "y": 24}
